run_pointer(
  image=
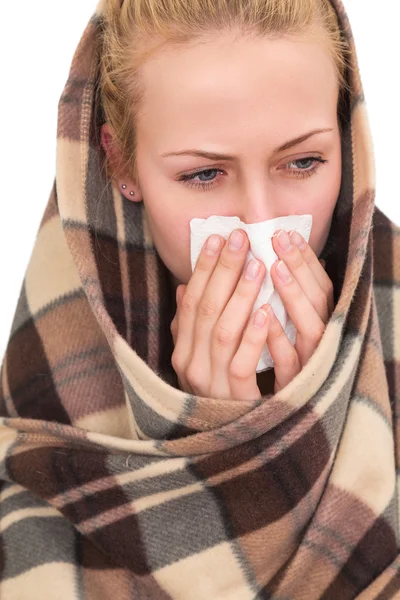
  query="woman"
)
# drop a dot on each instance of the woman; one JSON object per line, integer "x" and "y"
{"x": 143, "y": 456}
{"x": 233, "y": 79}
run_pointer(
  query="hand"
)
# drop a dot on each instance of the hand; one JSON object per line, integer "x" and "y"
{"x": 217, "y": 345}
{"x": 308, "y": 299}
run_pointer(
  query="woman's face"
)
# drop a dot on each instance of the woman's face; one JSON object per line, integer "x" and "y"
{"x": 243, "y": 98}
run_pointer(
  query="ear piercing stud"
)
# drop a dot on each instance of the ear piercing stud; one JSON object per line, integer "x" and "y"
{"x": 124, "y": 188}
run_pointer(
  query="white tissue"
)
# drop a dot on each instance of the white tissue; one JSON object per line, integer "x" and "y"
{"x": 260, "y": 235}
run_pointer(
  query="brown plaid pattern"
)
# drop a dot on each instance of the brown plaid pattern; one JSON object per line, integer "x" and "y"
{"x": 116, "y": 484}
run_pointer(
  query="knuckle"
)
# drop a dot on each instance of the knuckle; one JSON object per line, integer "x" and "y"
{"x": 243, "y": 292}
{"x": 291, "y": 360}
{"x": 193, "y": 377}
{"x": 203, "y": 264}
{"x": 187, "y": 302}
{"x": 227, "y": 263}
{"x": 251, "y": 336}
{"x": 321, "y": 304}
{"x": 177, "y": 362}
{"x": 296, "y": 262}
{"x": 297, "y": 293}
{"x": 222, "y": 336}
{"x": 238, "y": 370}
{"x": 329, "y": 288}
{"x": 276, "y": 331}
{"x": 251, "y": 339}
{"x": 207, "y": 308}
{"x": 317, "y": 333}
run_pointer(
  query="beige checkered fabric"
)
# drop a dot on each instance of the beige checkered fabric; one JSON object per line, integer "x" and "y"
{"x": 116, "y": 484}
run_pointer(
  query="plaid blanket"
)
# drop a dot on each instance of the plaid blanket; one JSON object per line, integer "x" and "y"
{"x": 116, "y": 484}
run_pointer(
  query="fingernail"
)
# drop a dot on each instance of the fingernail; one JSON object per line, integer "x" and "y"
{"x": 252, "y": 269}
{"x": 213, "y": 245}
{"x": 284, "y": 240}
{"x": 297, "y": 240}
{"x": 236, "y": 240}
{"x": 260, "y": 317}
{"x": 284, "y": 272}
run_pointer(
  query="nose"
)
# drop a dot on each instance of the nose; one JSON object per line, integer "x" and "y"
{"x": 255, "y": 202}
{"x": 256, "y": 213}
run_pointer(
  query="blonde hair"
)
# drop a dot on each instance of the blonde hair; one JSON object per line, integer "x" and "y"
{"x": 132, "y": 30}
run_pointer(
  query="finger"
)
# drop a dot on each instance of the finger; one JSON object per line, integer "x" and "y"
{"x": 228, "y": 331}
{"x": 219, "y": 290}
{"x": 183, "y": 384}
{"x": 174, "y": 323}
{"x": 286, "y": 360}
{"x": 319, "y": 273}
{"x": 301, "y": 271}
{"x": 306, "y": 320}
{"x": 221, "y": 284}
{"x": 242, "y": 374}
{"x": 188, "y": 304}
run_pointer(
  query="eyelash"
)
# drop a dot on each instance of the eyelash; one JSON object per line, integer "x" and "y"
{"x": 188, "y": 178}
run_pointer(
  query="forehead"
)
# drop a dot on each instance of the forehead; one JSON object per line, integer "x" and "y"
{"x": 245, "y": 83}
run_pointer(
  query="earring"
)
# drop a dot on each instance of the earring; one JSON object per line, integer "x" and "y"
{"x": 124, "y": 188}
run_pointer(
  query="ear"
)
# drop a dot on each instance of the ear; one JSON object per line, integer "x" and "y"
{"x": 128, "y": 188}
{"x": 107, "y": 137}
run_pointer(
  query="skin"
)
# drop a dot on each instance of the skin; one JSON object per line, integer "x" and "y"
{"x": 243, "y": 97}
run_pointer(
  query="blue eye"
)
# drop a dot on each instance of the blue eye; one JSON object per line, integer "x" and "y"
{"x": 188, "y": 179}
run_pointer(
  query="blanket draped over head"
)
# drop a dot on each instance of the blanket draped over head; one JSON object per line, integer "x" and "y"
{"x": 116, "y": 484}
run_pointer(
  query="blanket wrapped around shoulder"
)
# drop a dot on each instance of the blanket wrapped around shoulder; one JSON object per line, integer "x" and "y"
{"x": 116, "y": 484}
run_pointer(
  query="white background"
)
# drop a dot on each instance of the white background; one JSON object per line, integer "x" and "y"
{"x": 36, "y": 49}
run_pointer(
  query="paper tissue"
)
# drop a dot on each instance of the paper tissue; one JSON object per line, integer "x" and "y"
{"x": 259, "y": 235}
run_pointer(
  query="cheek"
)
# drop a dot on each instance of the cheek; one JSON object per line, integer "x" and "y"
{"x": 322, "y": 218}
{"x": 319, "y": 235}
{"x": 171, "y": 236}
{"x": 323, "y": 207}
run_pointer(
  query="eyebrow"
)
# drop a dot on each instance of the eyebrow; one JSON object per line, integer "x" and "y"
{"x": 218, "y": 156}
